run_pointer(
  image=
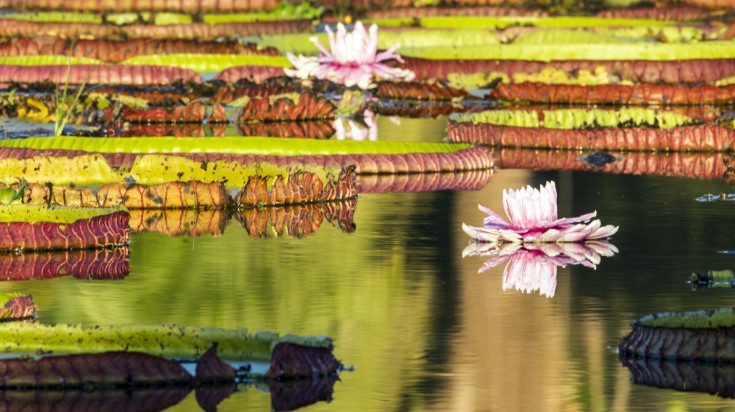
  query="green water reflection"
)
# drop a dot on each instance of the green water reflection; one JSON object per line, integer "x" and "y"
{"x": 423, "y": 329}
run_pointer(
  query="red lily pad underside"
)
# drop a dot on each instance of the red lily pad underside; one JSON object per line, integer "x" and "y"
{"x": 638, "y": 71}
{"x": 97, "y": 232}
{"x": 686, "y": 138}
{"x": 701, "y": 344}
{"x": 693, "y": 165}
{"x": 614, "y": 93}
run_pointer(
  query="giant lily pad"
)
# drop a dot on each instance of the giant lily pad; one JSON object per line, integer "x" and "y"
{"x": 625, "y": 129}
{"x": 369, "y": 157}
{"x": 24, "y": 227}
{"x": 703, "y": 335}
{"x": 693, "y": 165}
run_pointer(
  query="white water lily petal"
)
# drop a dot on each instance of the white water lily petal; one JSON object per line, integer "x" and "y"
{"x": 532, "y": 217}
{"x": 353, "y": 59}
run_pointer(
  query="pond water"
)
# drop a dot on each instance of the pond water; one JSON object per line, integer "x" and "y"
{"x": 424, "y": 330}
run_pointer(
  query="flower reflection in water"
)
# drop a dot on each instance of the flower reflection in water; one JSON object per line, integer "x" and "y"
{"x": 533, "y": 267}
{"x": 355, "y": 130}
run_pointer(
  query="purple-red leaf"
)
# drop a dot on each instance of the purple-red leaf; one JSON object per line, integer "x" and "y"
{"x": 97, "y": 232}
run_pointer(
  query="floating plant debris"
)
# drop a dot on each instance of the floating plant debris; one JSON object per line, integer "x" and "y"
{"x": 533, "y": 267}
{"x": 29, "y": 227}
{"x": 533, "y": 220}
{"x": 702, "y": 335}
{"x": 104, "y": 264}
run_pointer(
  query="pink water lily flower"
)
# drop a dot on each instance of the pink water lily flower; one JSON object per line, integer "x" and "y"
{"x": 533, "y": 219}
{"x": 352, "y": 60}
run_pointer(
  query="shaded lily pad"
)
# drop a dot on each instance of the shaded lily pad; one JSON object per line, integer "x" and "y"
{"x": 282, "y": 108}
{"x": 703, "y": 335}
{"x": 117, "y": 6}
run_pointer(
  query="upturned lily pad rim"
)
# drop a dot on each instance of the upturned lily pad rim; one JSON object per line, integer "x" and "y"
{"x": 488, "y": 22}
{"x": 168, "y": 340}
{"x": 230, "y": 145}
{"x": 710, "y": 50}
{"x": 697, "y": 319}
{"x": 207, "y": 62}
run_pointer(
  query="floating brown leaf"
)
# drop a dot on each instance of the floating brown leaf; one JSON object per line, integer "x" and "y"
{"x": 97, "y": 232}
{"x": 110, "y": 264}
{"x": 686, "y": 138}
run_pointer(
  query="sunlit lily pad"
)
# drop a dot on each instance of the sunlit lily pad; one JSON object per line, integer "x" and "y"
{"x": 31, "y": 227}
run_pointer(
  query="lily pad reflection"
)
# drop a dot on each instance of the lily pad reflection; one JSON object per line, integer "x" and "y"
{"x": 533, "y": 266}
